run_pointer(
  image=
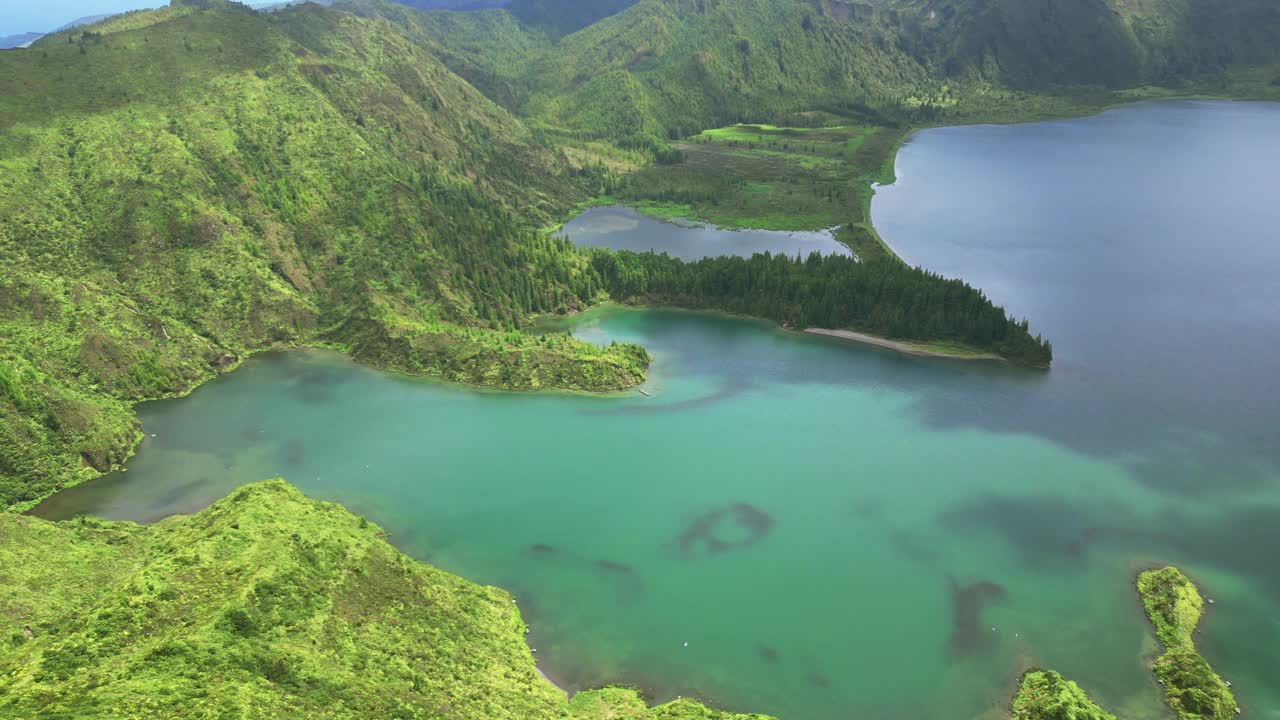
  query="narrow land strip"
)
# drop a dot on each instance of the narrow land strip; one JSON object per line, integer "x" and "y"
{"x": 906, "y": 348}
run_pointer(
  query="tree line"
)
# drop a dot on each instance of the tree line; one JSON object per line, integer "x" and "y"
{"x": 834, "y": 291}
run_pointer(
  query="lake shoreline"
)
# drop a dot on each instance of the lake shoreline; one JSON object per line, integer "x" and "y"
{"x": 903, "y": 347}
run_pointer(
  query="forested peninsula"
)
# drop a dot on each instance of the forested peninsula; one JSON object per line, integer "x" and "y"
{"x": 187, "y": 186}
{"x": 184, "y": 187}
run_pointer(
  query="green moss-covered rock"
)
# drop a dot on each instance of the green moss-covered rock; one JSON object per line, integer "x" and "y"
{"x": 1174, "y": 606}
{"x": 1046, "y": 695}
{"x": 265, "y": 605}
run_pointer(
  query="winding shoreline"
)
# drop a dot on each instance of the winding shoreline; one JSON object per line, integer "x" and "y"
{"x": 905, "y": 348}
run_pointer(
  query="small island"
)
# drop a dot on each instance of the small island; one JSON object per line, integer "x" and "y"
{"x": 1192, "y": 689}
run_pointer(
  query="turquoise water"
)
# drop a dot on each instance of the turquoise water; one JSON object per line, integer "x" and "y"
{"x": 837, "y": 531}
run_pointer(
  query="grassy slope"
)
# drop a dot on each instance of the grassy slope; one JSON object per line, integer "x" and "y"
{"x": 1174, "y": 606}
{"x": 182, "y": 188}
{"x": 187, "y": 186}
{"x": 266, "y": 605}
{"x": 664, "y": 69}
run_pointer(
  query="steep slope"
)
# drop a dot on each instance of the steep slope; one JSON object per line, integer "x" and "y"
{"x": 663, "y": 69}
{"x": 561, "y": 17}
{"x": 184, "y": 187}
{"x": 181, "y": 188}
{"x": 1039, "y": 44}
{"x": 265, "y": 605}
{"x": 466, "y": 5}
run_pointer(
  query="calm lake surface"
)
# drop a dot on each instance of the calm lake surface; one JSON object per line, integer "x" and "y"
{"x": 837, "y": 531}
{"x": 622, "y": 228}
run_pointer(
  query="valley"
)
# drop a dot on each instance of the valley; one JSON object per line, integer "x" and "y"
{"x": 560, "y": 295}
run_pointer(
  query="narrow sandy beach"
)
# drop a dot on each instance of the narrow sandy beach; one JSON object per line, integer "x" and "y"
{"x": 905, "y": 348}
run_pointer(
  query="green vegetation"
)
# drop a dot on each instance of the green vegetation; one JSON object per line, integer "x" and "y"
{"x": 1046, "y": 695}
{"x": 182, "y": 188}
{"x": 298, "y": 177}
{"x": 315, "y": 176}
{"x": 662, "y": 70}
{"x": 828, "y": 292}
{"x": 1192, "y": 688}
{"x": 761, "y": 176}
{"x": 265, "y": 605}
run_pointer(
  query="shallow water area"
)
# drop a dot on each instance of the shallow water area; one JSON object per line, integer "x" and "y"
{"x": 623, "y": 228}
{"x": 836, "y": 530}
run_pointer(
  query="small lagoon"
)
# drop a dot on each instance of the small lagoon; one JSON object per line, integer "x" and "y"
{"x": 623, "y": 228}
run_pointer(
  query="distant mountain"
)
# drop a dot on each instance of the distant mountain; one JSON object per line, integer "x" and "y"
{"x": 565, "y": 16}
{"x": 25, "y": 39}
{"x": 86, "y": 20}
{"x": 559, "y": 17}
{"x": 21, "y": 40}
{"x": 656, "y": 69}
{"x": 453, "y": 4}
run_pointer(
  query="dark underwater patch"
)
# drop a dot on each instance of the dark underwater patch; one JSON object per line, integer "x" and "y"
{"x": 612, "y": 566}
{"x": 729, "y": 528}
{"x": 178, "y": 494}
{"x": 818, "y": 680}
{"x": 294, "y": 452}
{"x": 728, "y": 390}
{"x": 1040, "y": 527}
{"x": 969, "y": 634}
{"x": 868, "y": 508}
{"x": 626, "y": 581}
{"x": 912, "y": 548}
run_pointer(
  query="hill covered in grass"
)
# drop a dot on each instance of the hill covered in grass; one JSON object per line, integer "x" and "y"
{"x": 187, "y": 186}
{"x": 265, "y": 605}
{"x": 664, "y": 69}
{"x": 183, "y": 187}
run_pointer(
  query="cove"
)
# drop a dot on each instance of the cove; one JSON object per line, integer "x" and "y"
{"x": 836, "y": 530}
{"x": 622, "y": 228}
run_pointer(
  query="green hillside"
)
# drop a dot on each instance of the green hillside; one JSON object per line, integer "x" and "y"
{"x": 184, "y": 187}
{"x": 1037, "y": 44}
{"x": 190, "y": 186}
{"x": 265, "y": 605}
{"x": 561, "y": 17}
{"x": 664, "y": 69}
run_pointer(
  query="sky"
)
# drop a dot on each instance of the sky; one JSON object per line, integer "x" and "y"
{"x": 19, "y": 16}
